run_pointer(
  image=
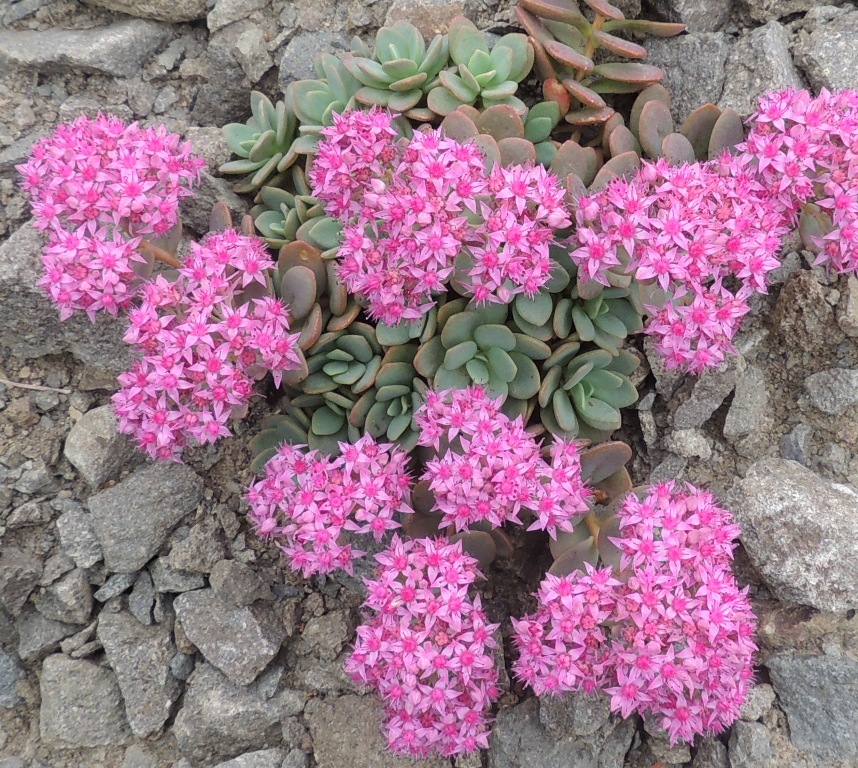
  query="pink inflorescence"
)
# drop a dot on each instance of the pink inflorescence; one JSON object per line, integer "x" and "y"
{"x": 805, "y": 149}
{"x": 410, "y": 209}
{"x": 428, "y": 649}
{"x": 704, "y": 235}
{"x": 672, "y": 637}
{"x": 309, "y": 501}
{"x": 97, "y": 187}
{"x": 202, "y": 347}
{"x": 489, "y": 467}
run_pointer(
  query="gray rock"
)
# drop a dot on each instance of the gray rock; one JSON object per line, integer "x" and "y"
{"x": 829, "y": 55}
{"x": 237, "y": 584}
{"x": 690, "y": 443}
{"x": 694, "y": 68}
{"x": 223, "y": 96}
{"x": 251, "y": 52}
{"x": 95, "y": 448}
{"x": 140, "y": 656}
{"x": 196, "y": 209}
{"x": 81, "y": 705}
{"x": 794, "y": 445}
{"x": 142, "y": 598}
{"x": 325, "y": 636}
{"x": 182, "y": 665}
{"x": 749, "y": 746}
{"x": 67, "y": 600}
{"x": 759, "y": 702}
{"x": 133, "y": 518}
{"x": 537, "y": 732}
{"x": 10, "y": 673}
{"x": 114, "y": 586}
{"x": 168, "y": 579}
{"x": 801, "y": 533}
{"x": 264, "y": 758}
{"x": 847, "y": 317}
{"x": 759, "y": 62}
{"x": 711, "y": 753}
{"x": 710, "y": 390}
{"x": 78, "y": 538}
{"x": 296, "y": 759}
{"x": 30, "y": 325}
{"x": 697, "y": 15}
{"x": 431, "y": 17}
{"x": 210, "y": 144}
{"x": 345, "y": 732}
{"x": 137, "y": 757}
{"x": 765, "y": 10}
{"x": 297, "y": 61}
{"x": 19, "y": 573}
{"x": 27, "y": 515}
{"x": 55, "y": 566}
{"x": 35, "y": 478}
{"x": 200, "y": 551}
{"x": 220, "y": 720}
{"x": 833, "y": 391}
{"x": 118, "y": 50}
{"x": 227, "y": 12}
{"x": 79, "y": 640}
{"x": 820, "y": 697}
{"x": 40, "y": 636}
{"x": 160, "y": 10}
{"x": 238, "y": 641}
{"x": 748, "y": 410}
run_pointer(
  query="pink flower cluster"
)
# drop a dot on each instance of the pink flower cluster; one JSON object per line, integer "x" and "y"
{"x": 805, "y": 148}
{"x": 427, "y": 649}
{"x": 309, "y": 501}
{"x": 489, "y": 467}
{"x": 690, "y": 231}
{"x": 98, "y": 186}
{"x": 671, "y": 636}
{"x": 203, "y": 343}
{"x": 410, "y": 209}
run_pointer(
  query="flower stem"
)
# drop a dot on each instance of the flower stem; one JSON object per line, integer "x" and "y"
{"x": 160, "y": 254}
{"x": 592, "y": 525}
{"x": 591, "y": 42}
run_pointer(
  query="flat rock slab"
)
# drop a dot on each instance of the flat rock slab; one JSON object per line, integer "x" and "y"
{"x": 133, "y": 518}
{"x": 800, "y": 532}
{"x": 95, "y": 448}
{"x": 119, "y": 50}
{"x": 162, "y": 10}
{"x": 829, "y": 54}
{"x": 240, "y": 641}
{"x": 140, "y": 656}
{"x": 81, "y": 705}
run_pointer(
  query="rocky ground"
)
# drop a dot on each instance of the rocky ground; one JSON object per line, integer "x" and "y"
{"x": 141, "y": 623}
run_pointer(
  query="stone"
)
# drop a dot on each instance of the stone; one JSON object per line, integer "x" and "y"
{"x": 19, "y": 573}
{"x": 749, "y": 408}
{"x": 68, "y": 600}
{"x": 760, "y": 700}
{"x": 263, "y": 758}
{"x": 30, "y": 325}
{"x": 690, "y": 443}
{"x": 833, "y": 391}
{"x": 709, "y": 391}
{"x": 237, "y": 584}
{"x": 200, "y": 551}
{"x": 140, "y": 656}
{"x": 10, "y": 673}
{"x": 78, "y": 538}
{"x": 711, "y": 753}
{"x": 800, "y": 532}
{"x": 345, "y": 731}
{"x": 168, "y": 579}
{"x": 209, "y": 143}
{"x": 227, "y": 12}
{"x": 81, "y": 705}
{"x": 847, "y": 317}
{"x": 182, "y": 665}
{"x": 794, "y": 445}
{"x": 133, "y": 518}
{"x": 431, "y": 17}
{"x": 220, "y": 720}
{"x": 697, "y": 15}
{"x": 161, "y": 10}
{"x": 325, "y": 636}
{"x": 819, "y": 695}
{"x": 55, "y": 566}
{"x": 694, "y": 67}
{"x": 114, "y": 586}
{"x": 95, "y": 448}
{"x": 765, "y": 10}
{"x": 197, "y": 208}
{"x": 749, "y": 745}
{"x": 296, "y": 759}
{"x": 40, "y": 636}
{"x": 251, "y": 52}
{"x": 238, "y": 641}
{"x": 223, "y": 96}
{"x": 137, "y": 757}
{"x": 297, "y": 61}
{"x": 77, "y": 641}
{"x": 828, "y": 56}
{"x": 27, "y": 515}
{"x": 142, "y": 598}
{"x": 118, "y": 50}
{"x": 759, "y": 62}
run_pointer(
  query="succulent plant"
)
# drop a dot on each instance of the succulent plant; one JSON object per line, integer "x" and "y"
{"x": 582, "y": 392}
{"x": 400, "y": 70}
{"x": 488, "y": 75}
{"x": 565, "y": 42}
{"x": 264, "y": 144}
{"x": 315, "y": 101}
{"x": 474, "y": 346}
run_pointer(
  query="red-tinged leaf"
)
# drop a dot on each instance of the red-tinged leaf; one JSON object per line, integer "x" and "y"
{"x": 581, "y": 92}
{"x": 516, "y": 151}
{"x": 542, "y": 61}
{"x": 459, "y": 127}
{"x": 604, "y": 8}
{"x": 532, "y": 26}
{"x": 500, "y": 122}
{"x": 629, "y": 72}
{"x": 651, "y": 28}
{"x": 575, "y": 558}
{"x": 619, "y": 46}
{"x": 613, "y": 87}
{"x": 626, "y": 165}
{"x": 556, "y": 10}
{"x": 611, "y": 123}
{"x": 650, "y": 93}
{"x": 479, "y": 545}
{"x": 568, "y": 56}
{"x": 676, "y": 149}
{"x": 698, "y": 126}
{"x": 589, "y": 116}
{"x": 602, "y": 461}
{"x": 655, "y": 123}
{"x": 552, "y": 90}
{"x": 727, "y": 132}
{"x": 622, "y": 140}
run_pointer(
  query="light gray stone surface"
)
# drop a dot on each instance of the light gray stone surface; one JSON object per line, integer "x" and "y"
{"x": 833, "y": 391}
{"x": 10, "y": 673}
{"x": 78, "y": 538}
{"x": 297, "y": 61}
{"x": 829, "y": 55}
{"x": 238, "y": 584}
{"x": 263, "y": 758}
{"x": 697, "y": 15}
{"x": 68, "y": 600}
{"x": 750, "y": 746}
{"x": 161, "y": 10}
{"x": 19, "y": 573}
{"x": 38, "y": 635}
{"x": 96, "y": 449}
